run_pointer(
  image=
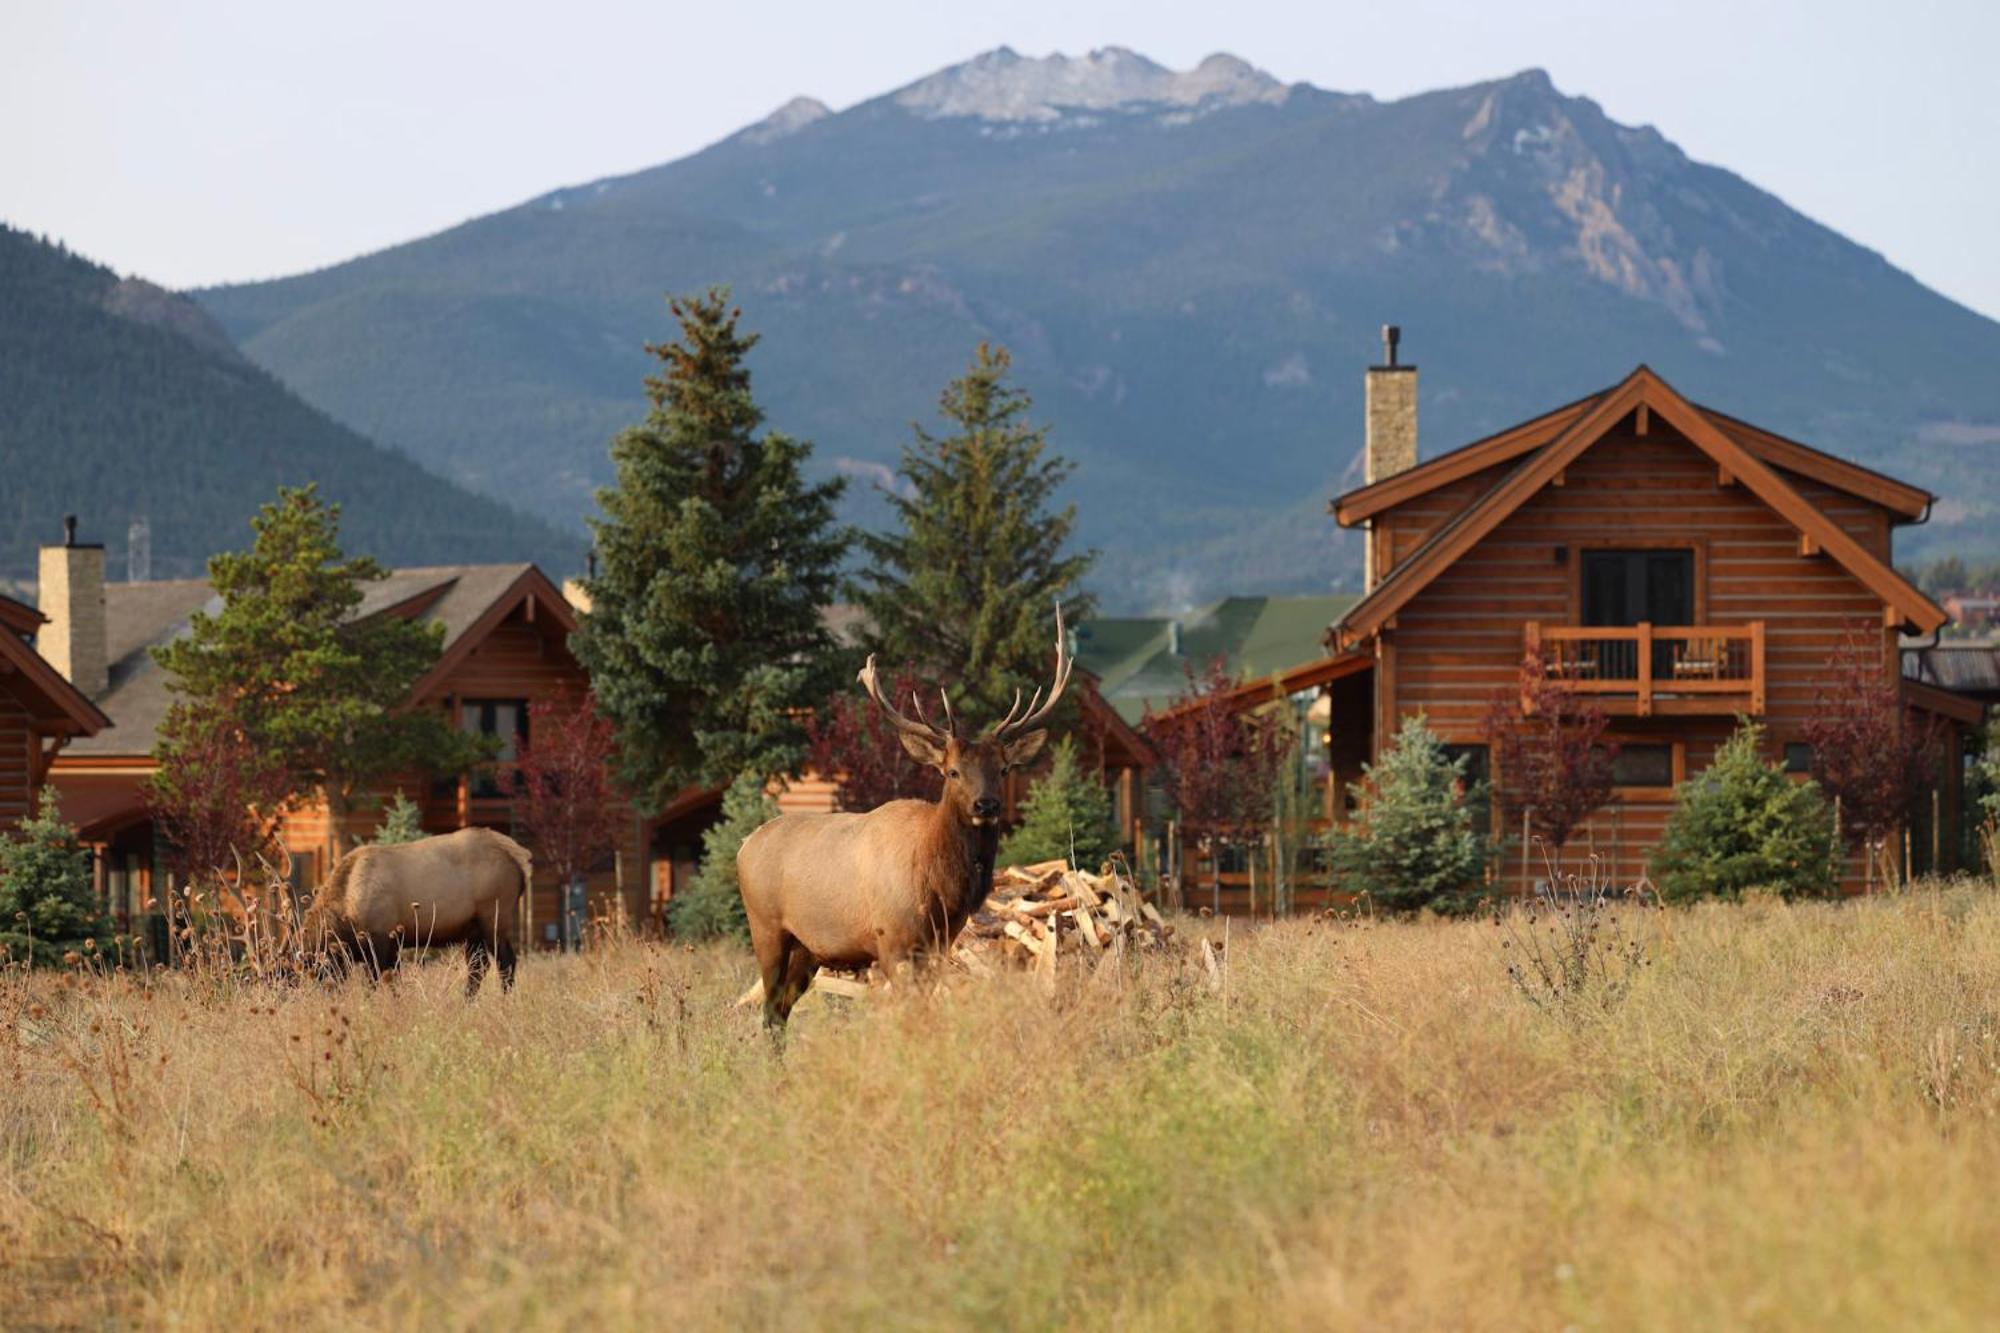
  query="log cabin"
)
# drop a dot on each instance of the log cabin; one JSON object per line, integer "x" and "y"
{"x": 1679, "y": 566}
{"x": 506, "y": 631}
{"x": 40, "y": 712}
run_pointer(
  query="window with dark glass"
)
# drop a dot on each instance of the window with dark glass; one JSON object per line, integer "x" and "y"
{"x": 1798, "y": 757}
{"x": 1643, "y": 766}
{"x": 1637, "y": 587}
{"x": 506, "y": 719}
{"x": 1478, "y": 782}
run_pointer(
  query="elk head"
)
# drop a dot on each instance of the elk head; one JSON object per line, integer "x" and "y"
{"x": 975, "y": 768}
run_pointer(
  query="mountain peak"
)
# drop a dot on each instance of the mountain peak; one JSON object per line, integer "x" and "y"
{"x": 1003, "y": 85}
{"x": 790, "y": 118}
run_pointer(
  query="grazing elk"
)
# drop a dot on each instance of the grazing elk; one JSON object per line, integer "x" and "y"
{"x": 456, "y": 888}
{"x": 899, "y": 882}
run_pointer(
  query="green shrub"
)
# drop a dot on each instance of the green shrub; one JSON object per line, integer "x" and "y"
{"x": 47, "y": 904}
{"x": 711, "y": 907}
{"x": 1743, "y": 824}
{"x": 1067, "y": 815}
{"x": 1414, "y": 845}
{"x": 402, "y": 821}
{"x": 1988, "y": 775}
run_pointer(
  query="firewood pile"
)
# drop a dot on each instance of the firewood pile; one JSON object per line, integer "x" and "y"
{"x": 1034, "y": 916}
{"x": 1039, "y": 913}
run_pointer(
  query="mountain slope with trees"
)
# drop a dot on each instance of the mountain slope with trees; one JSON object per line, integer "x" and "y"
{"x": 119, "y": 400}
{"x": 1189, "y": 268}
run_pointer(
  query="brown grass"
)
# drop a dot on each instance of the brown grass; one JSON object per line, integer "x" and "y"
{"x": 1788, "y": 1121}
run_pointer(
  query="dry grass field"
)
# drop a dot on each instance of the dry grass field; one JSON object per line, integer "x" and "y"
{"x": 1787, "y": 1121}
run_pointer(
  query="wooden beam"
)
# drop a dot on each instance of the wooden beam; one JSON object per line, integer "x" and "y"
{"x": 1724, "y": 477}
{"x": 1807, "y": 544}
{"x": 1642, "y": 420}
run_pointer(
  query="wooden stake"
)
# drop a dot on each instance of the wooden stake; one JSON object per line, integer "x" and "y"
{"x": 1937, "y": 833}
{"x": 1524, "y": 848}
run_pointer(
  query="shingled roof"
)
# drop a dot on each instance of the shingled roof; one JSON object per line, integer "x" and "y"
{"x": 1139, "y": 664}
{"x": 141, "y": 616}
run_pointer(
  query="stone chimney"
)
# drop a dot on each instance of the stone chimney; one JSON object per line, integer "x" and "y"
{"x": 1391, "y": 399}
{"x": 72, "y": 597}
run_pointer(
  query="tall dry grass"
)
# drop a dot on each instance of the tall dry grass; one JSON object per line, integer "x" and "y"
{"x": 1786, "y": 1121}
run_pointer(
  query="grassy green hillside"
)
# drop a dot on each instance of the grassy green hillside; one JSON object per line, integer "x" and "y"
{"x": 119, "y": 400}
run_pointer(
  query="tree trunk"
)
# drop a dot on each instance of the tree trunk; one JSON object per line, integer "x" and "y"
{"x": 337, "y": 809}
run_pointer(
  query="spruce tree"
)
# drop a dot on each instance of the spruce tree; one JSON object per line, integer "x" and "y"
{"x": 1414, "y": 845}
{"x": 1744, "y": 824}
{"x": 1067, "y": 816}
{"x": 711, "y": 906}
{"x": 965, "y": 589}
{"x": 402, "y": 821}
{"x": 704, "y": 640}
{"x": 47, "y": 905}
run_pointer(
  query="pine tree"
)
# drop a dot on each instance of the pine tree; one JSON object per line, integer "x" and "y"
{"x": 1414, "y": 845}
{"x": 307, "y": 683}
{"x": 1743, "y": 824}
{"x": 711, "y": 907}
{"x": 964, "y": 590}
{"x": 402, "y": 821}
{"x": 704, "y": 641}
{"x": 1067, "y": 816}
{"x": 47, "y": 905}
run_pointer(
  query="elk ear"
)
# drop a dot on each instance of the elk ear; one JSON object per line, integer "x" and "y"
{"x": 921, "y": 750}
{"x": 1023, "y": 749}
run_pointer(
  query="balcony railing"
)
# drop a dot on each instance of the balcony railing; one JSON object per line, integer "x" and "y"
{"x": 1658, "y": 668}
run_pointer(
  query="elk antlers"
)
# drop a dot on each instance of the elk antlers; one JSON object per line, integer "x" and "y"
{"x": 918, "y": 726}
{"x": 1013, "y": 724}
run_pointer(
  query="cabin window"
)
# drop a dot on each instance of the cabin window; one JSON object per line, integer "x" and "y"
{"x": 1478, "y": 783}
{"x": 1631, "y": 587}
{"x": 1637, "y": 587}
{"x": 506, "y": 719}
{"x": 1643, "y": 766}
{"x": 1798, "y": 757}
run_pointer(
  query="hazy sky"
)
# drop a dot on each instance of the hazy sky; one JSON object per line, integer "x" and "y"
{"x": 199, "y": 141}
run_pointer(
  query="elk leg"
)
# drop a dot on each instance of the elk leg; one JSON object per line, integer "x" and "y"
{"x": 475, "y": 963}
{"x": 505, "y": 954}
{"x": 770, "y": 945}
{"x": 800, "y": 967}
{"x": 380, "y": 956}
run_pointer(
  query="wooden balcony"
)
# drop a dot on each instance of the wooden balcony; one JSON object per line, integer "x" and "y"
{"x": 1642, "y": 670}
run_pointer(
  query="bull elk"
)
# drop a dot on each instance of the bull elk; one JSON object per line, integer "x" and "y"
{"x": 898, "y": 883}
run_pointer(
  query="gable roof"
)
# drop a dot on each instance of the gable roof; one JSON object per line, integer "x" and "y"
{"x": 19, "y": 617}
{"x": 1138, "y": 663}
{"x": 466, "y": 599}
{"x": 1591, "y": 421}
{"x": 1255, "y": 693}
{"x": 1909, "y": 503}
{"x": 52, "y": 700}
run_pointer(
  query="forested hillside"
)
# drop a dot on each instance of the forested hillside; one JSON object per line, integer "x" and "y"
{"x": 121, "y": 401}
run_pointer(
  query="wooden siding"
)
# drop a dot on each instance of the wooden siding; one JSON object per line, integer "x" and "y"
{"x": 17, "y": 759}
{"x": 1459, "y": 641}
{"x": 519, "y": 659}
